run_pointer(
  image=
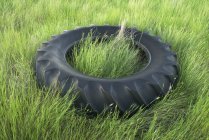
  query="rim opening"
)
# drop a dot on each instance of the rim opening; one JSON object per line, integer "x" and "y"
{"x": 105, "y": 58}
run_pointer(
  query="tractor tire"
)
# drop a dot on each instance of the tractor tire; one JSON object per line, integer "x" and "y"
{"x": 139, "y": 89}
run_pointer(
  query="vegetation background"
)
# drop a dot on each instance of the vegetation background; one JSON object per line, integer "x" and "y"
{"x": 28, "y": 112}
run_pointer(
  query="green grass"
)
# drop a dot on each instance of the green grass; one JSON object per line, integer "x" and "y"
{"x": 114, "y": 58}
{"x": 27, "y": 112}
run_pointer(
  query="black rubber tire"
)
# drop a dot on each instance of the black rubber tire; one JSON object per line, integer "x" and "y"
{"x": 140, "y": 89}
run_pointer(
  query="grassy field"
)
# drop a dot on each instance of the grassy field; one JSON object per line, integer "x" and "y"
{"x": 28, "y": 112}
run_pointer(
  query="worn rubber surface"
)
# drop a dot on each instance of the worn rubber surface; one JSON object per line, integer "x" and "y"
{"x": 140, "y": 89}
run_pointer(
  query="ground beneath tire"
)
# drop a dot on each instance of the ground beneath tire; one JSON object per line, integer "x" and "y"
{"x": 26, "y": 114}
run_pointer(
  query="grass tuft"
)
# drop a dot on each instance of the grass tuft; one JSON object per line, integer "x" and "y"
{"x": 107, "y": 59}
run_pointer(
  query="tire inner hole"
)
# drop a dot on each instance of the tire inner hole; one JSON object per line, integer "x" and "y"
{"x": 107, "y": 57}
